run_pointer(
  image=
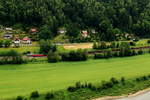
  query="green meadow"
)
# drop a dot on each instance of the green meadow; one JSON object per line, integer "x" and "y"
{"x": 23, "y": 79}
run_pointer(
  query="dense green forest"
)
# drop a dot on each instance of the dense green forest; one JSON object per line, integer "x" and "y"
{"x": 108, "y": 17}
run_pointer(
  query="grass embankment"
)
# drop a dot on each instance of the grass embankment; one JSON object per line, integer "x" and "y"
{"x": 130, "y": 87}
{"x": 23, "y": 79}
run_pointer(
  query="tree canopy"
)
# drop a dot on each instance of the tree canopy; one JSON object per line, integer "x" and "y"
{"x": 131, "y": 16}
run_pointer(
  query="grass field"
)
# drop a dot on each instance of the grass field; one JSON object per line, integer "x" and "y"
{"x": 21, "y": 49}
{"x": 23, "y": 79}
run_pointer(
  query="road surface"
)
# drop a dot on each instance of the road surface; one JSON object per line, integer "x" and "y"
{"x": 144, "y": 96}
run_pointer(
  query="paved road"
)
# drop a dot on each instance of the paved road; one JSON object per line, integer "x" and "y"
{"x": 145, "y": 96}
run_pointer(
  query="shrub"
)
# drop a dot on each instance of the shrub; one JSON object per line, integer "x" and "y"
{"x": 115, "y": 54}
{"x": 148, "y": 41}
{"x": 140, "y": 52}
{"x": 1, "y": 43}
{"x": 11, "y": 57}
{"x": 78, "y": 55}
{"x": 144, "y": 78}
{"x": 78, "y": 85}
{"x": 71, "y": 89}
{"x": 35, "y": 94}
{"x": 19, "y": 98}
{"x": 114, "y": 80}
{"x": 113, "y": 45}
{"x": 108, "y": 54}
{"x": 123, "y": 80}
{"x": 133, "y": 53}
{"x": 53, "y": 57}
{"x": 137, "y": 79}
{"x": 106, "y": 85}
{"x": 95, "y": 46}
{"x": 149, "y": 51}
{"x": 7, "y": 43}
{"x": 49, "y": 96}
{"x": 46, "y": 46}
{"x": 102, "y": 45}
{"x": 132, "y": 43}
{"x": 98, "y": 56}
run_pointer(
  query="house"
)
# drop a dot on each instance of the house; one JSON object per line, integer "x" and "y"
{"x": 17, "y": 42}
{"x": 8, "y": 29}
{"x": 26, "y": 40}
{"x": 61, "y": 31}
{"x": 33, "y": 30}
{"x": 84, "y": 33}
{"x": 93, "y": 31}
{"x": 8, "y": 36}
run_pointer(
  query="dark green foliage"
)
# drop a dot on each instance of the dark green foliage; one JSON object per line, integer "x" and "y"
{"x": 19, "y": 98}
{"x": 95, "y": 45}
{"x": 79, "y": 55}
{"x": 6, "y": 43}
{"x": 1, "y": 43}
{"x": 34, "y": 94}
{"x": 107, "y": 17}
{"x": 132, "y": 44}
{"x": 123, "y": 80}
{"x": 45, "y": 33}
{"x": 11, "y": 57}
{"x": 46, "y": 46}
{"x": 99, "y": 56}
{"x": 71, "y": 89}
{"x": 49, "y": 96}
{"x": 114, "y": 80}
{"x": 140, "y": 52}
{"x": 108, "y": 53}
{"x": 148, "y": 41}
{"x": 53, "y": 57}
{"x": 143, "y": 78}
{"x": 78, "y": 85}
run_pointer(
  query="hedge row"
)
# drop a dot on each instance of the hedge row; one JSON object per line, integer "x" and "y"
{"x": 98, "y": 88}
{"x": 79, "y": 55}
{"x": 121, "y": 53}
{"x": 10, "y": 57}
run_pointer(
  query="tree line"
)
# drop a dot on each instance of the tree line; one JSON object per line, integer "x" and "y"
{"x": 107, "y": 17}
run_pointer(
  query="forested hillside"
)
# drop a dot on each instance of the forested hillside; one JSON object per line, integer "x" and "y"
{"x": 108, "y": 17}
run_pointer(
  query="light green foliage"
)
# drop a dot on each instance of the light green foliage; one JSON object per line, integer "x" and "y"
{"x": 26, "y": 78}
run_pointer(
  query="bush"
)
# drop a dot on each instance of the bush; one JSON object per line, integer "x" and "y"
{"x": 71, "y": 89}
{"x": 78, "y": 55}
{"x": 113, "y": 45}
{"x": 114, "y": 80}
{"x": 102, "y": 45}
{"x": 53, "y": 57}
{"x": 132, "y": 44}
{"x": 7, "y": 43}
{"x": 1, "y": 43}
{"x": 123, "y": 80}
{"x": 98, "y": 56}
{"x": 49, "y": 96}
{"x": 116, "y": 54}
{"x": 35, "y": 94}
{"x": 140, "y": 52}
{"x": 148, "y": 41}
{"x": 95, "y": 46}
{"x": 11, "y": 57}
{"x": 78, "y": 85}
{"x": 108, "y": 54}
{"x": 106, "y": 85}
{"x": 46, "y": 46}
{"x": 19, "y": 98}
